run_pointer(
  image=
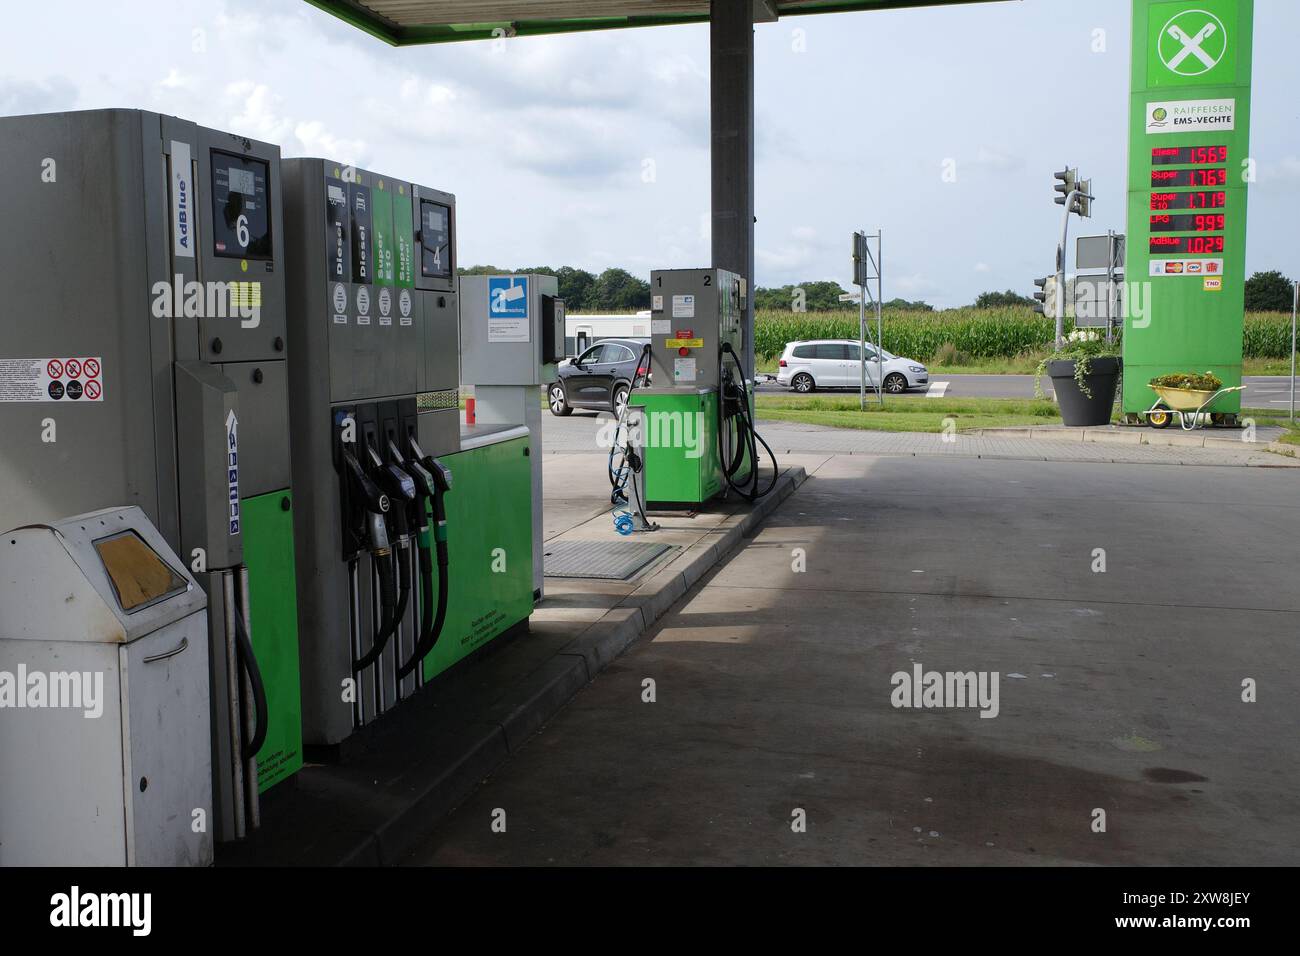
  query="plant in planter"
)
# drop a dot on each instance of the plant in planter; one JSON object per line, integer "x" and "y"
{"x": 1188, "y": 381}
{"x": 1182, "y": 392}
{"x": 1084, "y": 376}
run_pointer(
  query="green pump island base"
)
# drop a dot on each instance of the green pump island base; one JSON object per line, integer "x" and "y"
{"x": 489, "y": 547}
{"x": 679, "y": 437}
{"x": 1189, "y": 163}
{"x": 273, "y": 608}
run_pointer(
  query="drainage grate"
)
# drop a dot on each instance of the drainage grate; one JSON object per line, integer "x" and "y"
{"x": 607, "y": 560}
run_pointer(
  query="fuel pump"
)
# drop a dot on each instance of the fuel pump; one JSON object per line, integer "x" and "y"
{"x": 152, "y": 267}
{"x": 373, "y": 382}
{"x": 701, "y": 440}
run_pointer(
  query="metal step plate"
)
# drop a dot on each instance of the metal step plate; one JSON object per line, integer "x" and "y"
{"x": 605, "y": 560}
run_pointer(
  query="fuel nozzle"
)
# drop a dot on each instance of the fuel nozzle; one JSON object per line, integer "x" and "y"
{"x": 439, "y": 472}
{"x": 398, "y": 485}
{"x": 374, "y": 502}
{"x": 425, "y": 487}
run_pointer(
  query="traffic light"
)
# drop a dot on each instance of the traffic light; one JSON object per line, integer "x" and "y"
{"x": 1046, "y": 296}
{"x": 1083, "y": 202}
{"x": 1067, "y": 180}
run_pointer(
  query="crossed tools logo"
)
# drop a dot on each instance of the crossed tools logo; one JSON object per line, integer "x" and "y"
{"x": 1192, "y": 42}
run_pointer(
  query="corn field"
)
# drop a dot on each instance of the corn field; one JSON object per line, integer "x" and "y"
{"x": 980, "y": 333}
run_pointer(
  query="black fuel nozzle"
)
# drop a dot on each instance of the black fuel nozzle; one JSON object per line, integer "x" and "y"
{"x": 374, "y": 502}
{"x": 398, "y": 485}
{"x": 440, "y": 473}
{"x": 425, "y": 487}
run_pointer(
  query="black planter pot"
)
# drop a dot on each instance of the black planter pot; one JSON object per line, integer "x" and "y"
{"x": 1078, "y": 409}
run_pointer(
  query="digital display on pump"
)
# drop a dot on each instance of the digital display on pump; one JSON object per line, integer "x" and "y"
{"x": 241, "y": 206}
{"x": 435, "y": 239}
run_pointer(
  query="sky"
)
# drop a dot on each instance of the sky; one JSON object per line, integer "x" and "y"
{"x": 591, "y": 149}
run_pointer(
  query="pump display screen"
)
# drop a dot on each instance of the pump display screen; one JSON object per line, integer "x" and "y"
{"x": 241, "y": 206}
{"x": 1205, "y": 176}
{"x": 435, "y": 239}
{"x": 1179, "y": 155}
{"x": 1189, "y": 222}
{"x": 1187, "y": 245}
{"x": 1192, "y": 200}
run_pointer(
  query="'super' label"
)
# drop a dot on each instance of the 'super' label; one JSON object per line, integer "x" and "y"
{"x": 76, "y": 379}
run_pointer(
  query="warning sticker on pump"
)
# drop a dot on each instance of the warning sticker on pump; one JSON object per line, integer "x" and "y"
{"x": 76, "y": 379}
{"x": 683, "y": 307}
{"x": 684, "y": 343}
{"x": 684, "y": 370}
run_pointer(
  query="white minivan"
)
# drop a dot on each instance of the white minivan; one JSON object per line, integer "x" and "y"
{"x": 836, "y": 363}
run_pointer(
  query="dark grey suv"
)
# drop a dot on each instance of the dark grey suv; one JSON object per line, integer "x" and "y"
{"x": 599, "y": 378}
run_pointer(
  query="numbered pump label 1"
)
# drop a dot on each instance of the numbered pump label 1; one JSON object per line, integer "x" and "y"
{"x": 76, "y": 379}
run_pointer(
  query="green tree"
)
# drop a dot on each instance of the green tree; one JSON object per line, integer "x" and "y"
{"x": 576, "y": 287}
{"x": 999, "y": 300}
{"x": 902, "y": 305}
{"x": 617, "y": 290}
{"x": 817, "y": 296}
{"x": 1268, "y": 292}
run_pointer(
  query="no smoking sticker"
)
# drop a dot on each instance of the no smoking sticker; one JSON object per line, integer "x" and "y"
{"x": 76, "y": 379}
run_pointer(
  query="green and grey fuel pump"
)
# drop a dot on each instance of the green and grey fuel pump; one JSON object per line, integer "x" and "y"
{"x": 511, "y": 337}
{"x": 414, "y": 543}
{"x": 698, "y": 435}
{"x": 373, "y": 384}
{"x": 145, "y": 258}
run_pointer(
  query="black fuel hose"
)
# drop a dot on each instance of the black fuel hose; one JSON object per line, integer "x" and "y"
{"x": 631, "y": 462}
{"x": 248, "y": 661}
{"x": 389, "y": 617}
{"x": 748, "y": 438}
{"x": 431, "y": 631}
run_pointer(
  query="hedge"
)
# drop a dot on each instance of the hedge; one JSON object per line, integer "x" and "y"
{"x": 981, "y": 333}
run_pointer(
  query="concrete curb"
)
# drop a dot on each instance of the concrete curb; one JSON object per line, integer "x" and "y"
{"x": 1112, "y": 437}
{"x": 376, "y": 811}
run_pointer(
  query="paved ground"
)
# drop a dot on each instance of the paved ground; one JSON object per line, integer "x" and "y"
{"x": 1262, "y": 391}
{"x": 1119, "y": 691}
{"x": 584, "y": 431}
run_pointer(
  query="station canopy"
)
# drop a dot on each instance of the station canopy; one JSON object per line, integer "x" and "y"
{"x": 407, "y": 22}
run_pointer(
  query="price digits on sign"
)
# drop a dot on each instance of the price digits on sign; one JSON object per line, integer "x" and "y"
{"x": 1189, "y": 222}
{"x": 1187, "y": 245}
{"x": 1200, "y": 175}
{"x": 1204, "y": 176}
{"x": 1192, "y": 200}
{"x": 1178, "y": 155}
